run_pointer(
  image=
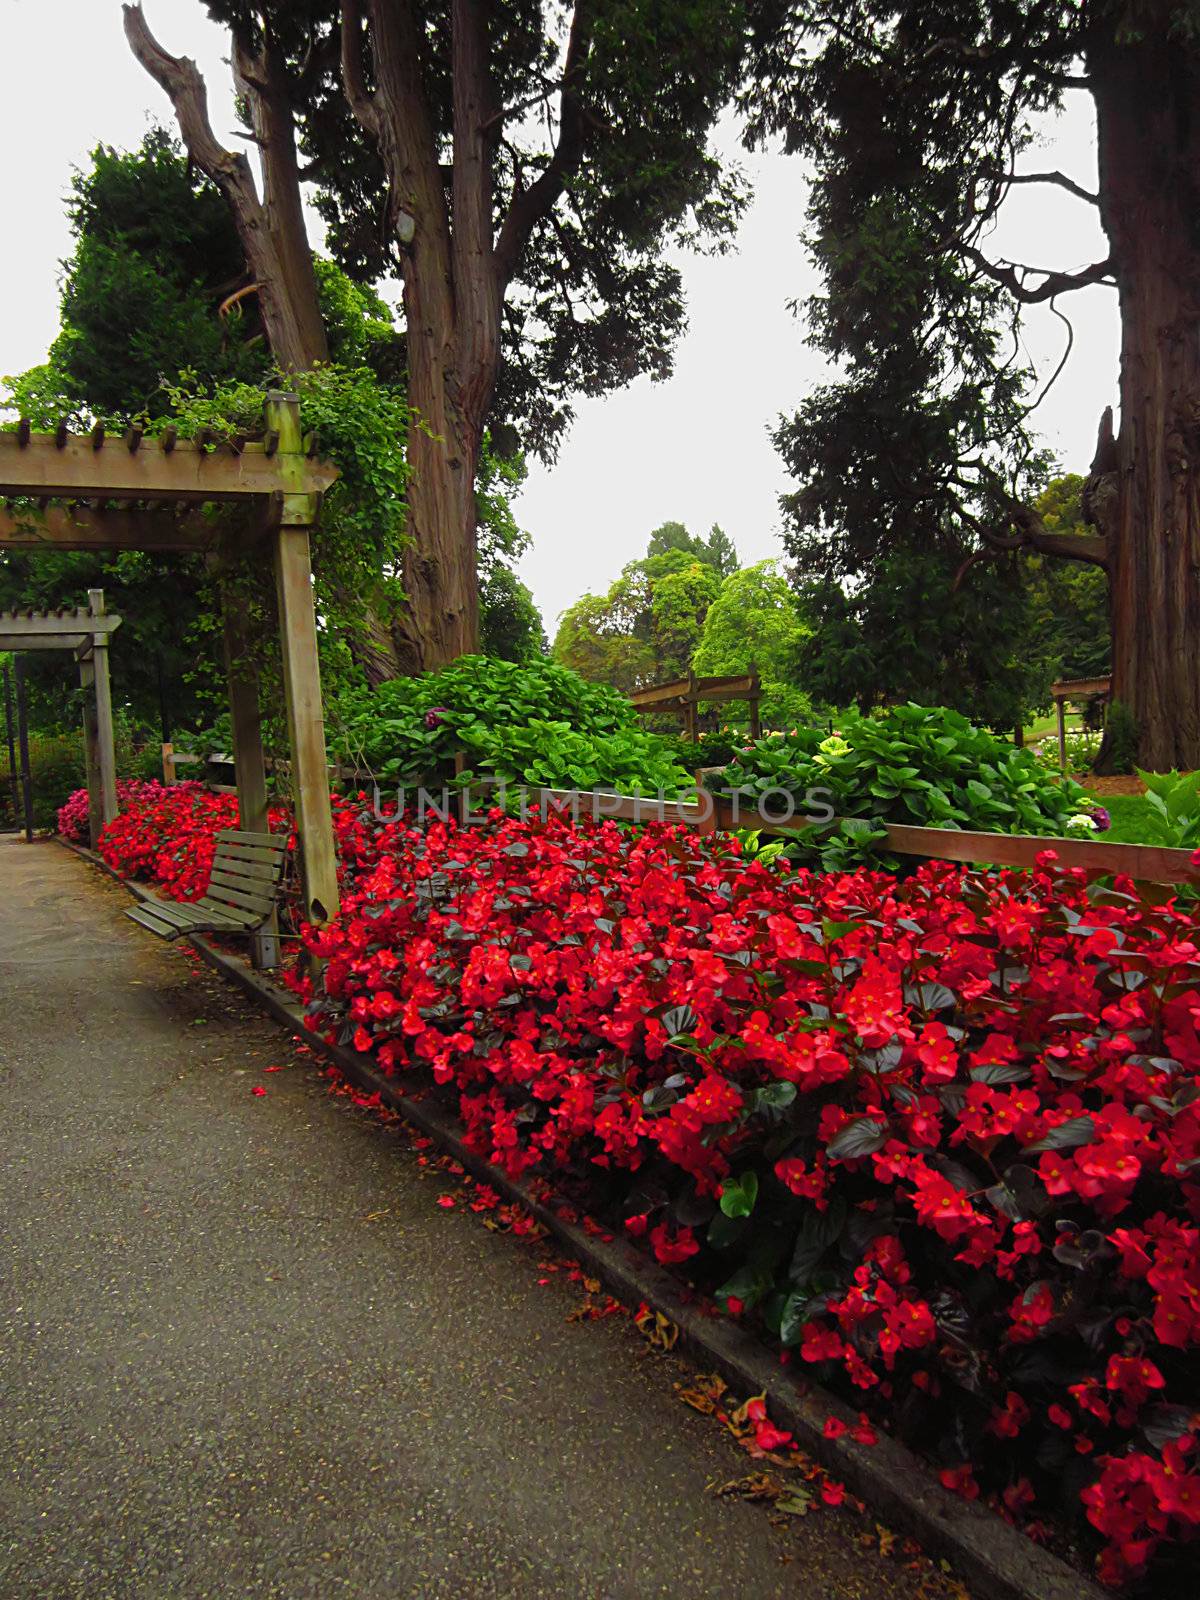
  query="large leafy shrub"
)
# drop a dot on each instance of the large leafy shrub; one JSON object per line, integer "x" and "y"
{"x": 531, "y": 722}
{"x": 920, "y": 765}
{"x": 57, "y": 770}
{"x": 939, "y": 1138}
{"x": 1172, "y": 815}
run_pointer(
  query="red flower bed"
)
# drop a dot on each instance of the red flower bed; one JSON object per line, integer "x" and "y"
{"x": 940, "y": 1136}
{"x": 169, "y": 839}
{"x": 72, "y": 819}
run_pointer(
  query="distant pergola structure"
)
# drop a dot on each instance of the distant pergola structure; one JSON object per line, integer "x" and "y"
{"x": 682, "y": 696}
{"x": 64, "y": 491}
{"x": 87, "y": 634}
{"x": 1074, "y": 691}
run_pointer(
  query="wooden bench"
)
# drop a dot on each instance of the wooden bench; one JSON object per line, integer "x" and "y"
{"x": 241, "y": 895}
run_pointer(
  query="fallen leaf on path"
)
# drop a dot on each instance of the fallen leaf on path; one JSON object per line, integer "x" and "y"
{"x": 660, "y": 1331}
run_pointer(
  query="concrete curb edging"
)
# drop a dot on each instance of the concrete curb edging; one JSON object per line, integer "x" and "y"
{"x": 995, "y": 1559}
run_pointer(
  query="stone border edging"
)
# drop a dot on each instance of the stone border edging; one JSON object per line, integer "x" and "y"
{"x": 995, "y": 1559}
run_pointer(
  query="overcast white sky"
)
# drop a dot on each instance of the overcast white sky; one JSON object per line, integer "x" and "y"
{"x": 695, "y": 449}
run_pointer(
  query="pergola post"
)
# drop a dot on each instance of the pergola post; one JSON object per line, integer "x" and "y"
{"x": 249, "y": 765}
{"x": 1060, "y": 705}
{"x": 23, "y": 741}
{"x": 296, "y": 513}
{"x": 692, "y": 714}
{"x": 10, "y": 730}
{"x": 106, "y": 746}
{"x": 91, "y": 749}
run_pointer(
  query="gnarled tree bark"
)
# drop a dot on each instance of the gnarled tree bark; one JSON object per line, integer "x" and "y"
{"x": 1146, "y": 487}
{"x": 271, "y": 229}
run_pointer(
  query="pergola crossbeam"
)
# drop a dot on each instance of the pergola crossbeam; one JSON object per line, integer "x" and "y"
{"x": 153, "y": 527}
{"x": 189, "y": 473}
{"x": 681, "y": 697}
{"x": 62, "y": 641}
{"x": 30, "y": 625}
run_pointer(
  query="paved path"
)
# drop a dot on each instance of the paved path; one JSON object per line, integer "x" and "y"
{"x": 244, "y": 1354}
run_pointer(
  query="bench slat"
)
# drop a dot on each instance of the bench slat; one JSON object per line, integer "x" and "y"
{"x": 266, "y": 871}
{"x": 243, "y": 917}
{"x": 238, "y": 892}
{"x": 177, "y": 913}
{"x": 274, "y": 860}
{"x": 261, "y": 841}
{"x": 164, "y": 930}
{"x": 260, "y": 888}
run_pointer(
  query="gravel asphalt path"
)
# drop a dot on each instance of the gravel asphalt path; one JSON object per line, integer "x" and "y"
{"x": 244, "y": 1353}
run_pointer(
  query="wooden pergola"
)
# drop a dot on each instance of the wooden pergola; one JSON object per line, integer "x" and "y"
{"x": 682, "y": 696}
{"x": 87, "y": 634}
{"x": 65, "y": 491}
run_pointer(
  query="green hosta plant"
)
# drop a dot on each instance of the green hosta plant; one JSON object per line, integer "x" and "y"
{"x": 533, "y": 722}
{"x": 925, "y": 766}
{"x": 554, "y": 755}
{"x": 1173, "y": 808}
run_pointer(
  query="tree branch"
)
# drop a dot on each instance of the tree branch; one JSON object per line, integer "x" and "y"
{"x": 1056, "y": 177}
{"x": 359, "y": 98}
{"x": 181, "y": 79}
{"x": 529, "y": 206}
{"x": 271, "y": 229}
{"x": 1054, "y": 283}
{"x": 1031, "y": 534}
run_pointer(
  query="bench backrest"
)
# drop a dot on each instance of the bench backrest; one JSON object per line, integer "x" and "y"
{"x": 246, "y": 871}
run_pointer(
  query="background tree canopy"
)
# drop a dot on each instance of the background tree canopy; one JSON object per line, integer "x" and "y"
{"x": 521, "y": 167}
{"x": 920, "y": 457}
{"x": 754, "y": 622}
{"x": 647, "y": 627}
{"x": 148, "y": 333}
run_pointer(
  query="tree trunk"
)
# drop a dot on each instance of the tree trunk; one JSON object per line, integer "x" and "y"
{"x": 1148, "y": 107}
{"x": 441, "y": 619}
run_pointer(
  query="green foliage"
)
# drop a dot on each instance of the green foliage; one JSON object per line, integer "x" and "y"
{"x": 710, "y": 749}
{"x": 1067, "y": 600}
{"x": 922, "y": 443}
{"x": 754, "y": 622}
{"x": 905, "y": 632}
{"x": 156, "y": 256}
{"x": 591, "y": 642}
{"x": 534, "y": 722}
{"x": 647, "y": 627}
{"x": 911, "y": 764}
{"x": 163, "y": 658}
{"x": 1172, "y": 815}
{"x": 555, "y": 755}
{"x": 717, "y": 551}
{"x": 57, "y": 769}
{"x": 510, "y": 623}
{"x": 1083, "y": 745}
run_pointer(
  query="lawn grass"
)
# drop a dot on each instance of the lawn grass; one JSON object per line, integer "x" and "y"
{"x": 1130, "y": 815}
